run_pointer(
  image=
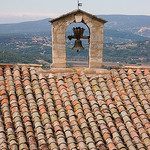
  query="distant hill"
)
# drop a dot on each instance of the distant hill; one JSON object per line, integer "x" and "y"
{"x": 119, "y": 28}
{"x": 137, "y": 24}
{"x": 26, "y": 27}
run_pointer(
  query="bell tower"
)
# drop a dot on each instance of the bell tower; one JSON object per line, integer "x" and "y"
{"x": 96, "y": 28}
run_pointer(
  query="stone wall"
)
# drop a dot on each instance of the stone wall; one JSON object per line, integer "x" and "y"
{"x": 59, "y": 39}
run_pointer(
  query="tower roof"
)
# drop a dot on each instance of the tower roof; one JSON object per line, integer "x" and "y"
{"x": 77, "y": 11}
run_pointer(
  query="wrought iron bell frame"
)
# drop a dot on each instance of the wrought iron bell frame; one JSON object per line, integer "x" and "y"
{"x": 78, "y": 34}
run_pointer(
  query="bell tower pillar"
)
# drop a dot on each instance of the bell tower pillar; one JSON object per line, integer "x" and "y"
{"x": 58, "y": 46}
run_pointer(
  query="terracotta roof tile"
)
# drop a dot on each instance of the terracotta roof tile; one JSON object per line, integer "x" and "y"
{"x": 74, "y": 111}
{"x": 129, "y": 106}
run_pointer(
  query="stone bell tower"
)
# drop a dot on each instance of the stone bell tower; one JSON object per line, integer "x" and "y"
{"x": 96, "y": 28}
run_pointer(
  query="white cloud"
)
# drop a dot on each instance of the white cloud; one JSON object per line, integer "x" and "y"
{"x": 11, "y": 17}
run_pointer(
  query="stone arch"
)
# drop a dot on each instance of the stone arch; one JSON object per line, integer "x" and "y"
{"x": 59, "y": 26}
{"x": 83, "y": 55}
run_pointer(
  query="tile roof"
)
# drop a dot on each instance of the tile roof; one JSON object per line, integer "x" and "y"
{"x": 74, "y": 111}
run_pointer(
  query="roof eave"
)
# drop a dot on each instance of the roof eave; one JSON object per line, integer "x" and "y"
{"x": 76, "y": 11}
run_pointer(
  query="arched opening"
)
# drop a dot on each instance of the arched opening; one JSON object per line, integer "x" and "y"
{"x": 76, "y": 58}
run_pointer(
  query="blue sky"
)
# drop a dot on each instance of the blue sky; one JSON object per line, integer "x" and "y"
{"x": 24, "y": 10}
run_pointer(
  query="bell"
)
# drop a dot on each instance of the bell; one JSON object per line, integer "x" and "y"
{"x": 78, "y": 34}
{"x": 78, "y": 45}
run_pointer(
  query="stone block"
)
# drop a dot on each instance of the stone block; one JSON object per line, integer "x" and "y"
{"x": 59, "y": 53}
{"x": 59, "y": 59}
{"x": 58, "y": 65}
{"x": 95, "y": 65}
{"x": 78, "y": 18}
{"x": 61, "y": 38}
{"x": 96, "y": 37}
{"x": 97, "y": 46}
{"x": 95, "y": 59}
{"x": 96, "y": 53}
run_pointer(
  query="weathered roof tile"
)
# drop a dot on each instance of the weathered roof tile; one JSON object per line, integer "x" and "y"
{"x": 74, "y": 111}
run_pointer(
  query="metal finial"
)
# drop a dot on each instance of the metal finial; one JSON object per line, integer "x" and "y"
{"x": 79, "y": 4}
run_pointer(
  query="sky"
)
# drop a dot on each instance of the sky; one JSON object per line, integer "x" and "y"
{"x": 14, "y": 11}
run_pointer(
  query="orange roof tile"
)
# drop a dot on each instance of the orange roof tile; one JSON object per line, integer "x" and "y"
{"x": 74, "y": 111}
